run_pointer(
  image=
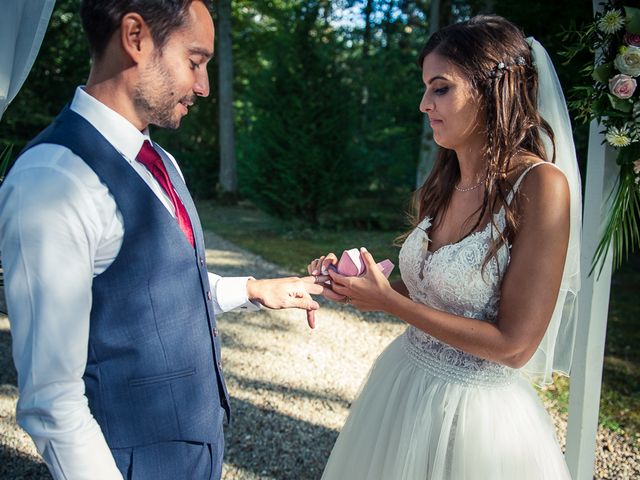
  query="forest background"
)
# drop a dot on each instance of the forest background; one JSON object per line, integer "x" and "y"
{"x": 322, "y": 142}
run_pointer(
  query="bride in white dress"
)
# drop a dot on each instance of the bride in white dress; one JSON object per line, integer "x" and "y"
{"x": 489, "y": 276}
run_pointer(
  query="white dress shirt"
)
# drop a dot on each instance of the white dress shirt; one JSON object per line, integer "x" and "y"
{"x": 59, "y": 228}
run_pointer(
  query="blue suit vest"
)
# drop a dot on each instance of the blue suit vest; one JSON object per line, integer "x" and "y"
{"x": 153, "y": 371}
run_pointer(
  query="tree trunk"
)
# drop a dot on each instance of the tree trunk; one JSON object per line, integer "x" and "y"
{"x": 228, "y": 175}
{"x": 428, "y": 149}
{"x": 366, "y": 45}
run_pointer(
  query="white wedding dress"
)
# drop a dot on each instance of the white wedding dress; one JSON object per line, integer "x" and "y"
{"x": 429, "y": 411}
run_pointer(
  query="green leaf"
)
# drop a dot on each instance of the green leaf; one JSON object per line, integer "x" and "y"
{"x": 602, "y": 73}
{"x": 632, "y": 20}
{"x": 629, "y": 154}
{"x": 621, "y": 231}
{"x": 622, "y": 105}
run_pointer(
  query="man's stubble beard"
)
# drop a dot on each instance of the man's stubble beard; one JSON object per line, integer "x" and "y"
{"x": 154, "y": 96}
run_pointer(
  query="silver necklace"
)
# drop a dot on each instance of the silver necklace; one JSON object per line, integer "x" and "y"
{"x": 468, "y": 189}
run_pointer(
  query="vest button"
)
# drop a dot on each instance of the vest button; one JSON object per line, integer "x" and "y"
{"x": 209, "y": 294}
{"x": 215, "y": 332}
{"x": 201, "y": 261}
{"x": 220, "y": 365}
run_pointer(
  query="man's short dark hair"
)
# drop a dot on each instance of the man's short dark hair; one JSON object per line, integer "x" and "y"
{"x": 101, "y": 18}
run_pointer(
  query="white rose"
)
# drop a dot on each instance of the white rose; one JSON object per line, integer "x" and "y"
{"x": 628, "y": 61}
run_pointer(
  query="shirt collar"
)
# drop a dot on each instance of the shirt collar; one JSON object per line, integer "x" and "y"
{"x": 118, "y": 131}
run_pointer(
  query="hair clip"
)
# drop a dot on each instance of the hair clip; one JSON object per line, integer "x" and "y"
{"x": 498, "y": 70}
{"x": 520, "y": 61}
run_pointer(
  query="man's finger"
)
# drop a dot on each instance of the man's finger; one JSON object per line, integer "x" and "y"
{"x": 310, "y": 287}
{"x": 311, "y": 318}
{"x": 311, "y": 279}
{"x": 303, "y": 301}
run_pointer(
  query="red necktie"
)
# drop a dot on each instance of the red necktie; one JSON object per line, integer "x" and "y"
{"x": 150, "y": 159}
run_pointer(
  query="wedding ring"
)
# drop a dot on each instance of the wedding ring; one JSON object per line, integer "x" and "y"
{"x": 315, "y": 279}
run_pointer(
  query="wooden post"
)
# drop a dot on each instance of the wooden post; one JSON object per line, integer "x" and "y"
{"x": 588, "y": 356}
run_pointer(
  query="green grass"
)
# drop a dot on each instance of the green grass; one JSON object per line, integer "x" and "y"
{"x": 293, "y": 244}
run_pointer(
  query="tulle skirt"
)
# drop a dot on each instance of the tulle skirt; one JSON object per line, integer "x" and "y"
{"x": 425, "y": 416}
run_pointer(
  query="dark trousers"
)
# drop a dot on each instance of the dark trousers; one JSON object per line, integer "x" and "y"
{"x": 171, "y": 461}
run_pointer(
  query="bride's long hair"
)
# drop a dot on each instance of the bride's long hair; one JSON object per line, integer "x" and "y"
{"x": 494, "y": 56}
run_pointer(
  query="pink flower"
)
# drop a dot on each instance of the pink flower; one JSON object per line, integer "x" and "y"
{"x": 622, "y": 86}
{"x": 636, "y": 167}
{"x": 632, "y": 39}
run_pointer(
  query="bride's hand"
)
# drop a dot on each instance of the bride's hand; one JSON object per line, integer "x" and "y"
{"x": 368, "y": 292}
{"x": 319, "y": 266}
{"x": 319, "y": 269}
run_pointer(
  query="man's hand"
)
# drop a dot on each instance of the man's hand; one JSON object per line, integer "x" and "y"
{"x": 290, "y": 292}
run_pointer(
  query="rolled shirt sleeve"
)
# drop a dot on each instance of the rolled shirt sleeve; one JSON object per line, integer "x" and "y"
{"x": 230, "y": 293}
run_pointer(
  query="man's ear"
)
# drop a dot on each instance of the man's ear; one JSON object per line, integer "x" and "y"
{"x": 135, "y": 37}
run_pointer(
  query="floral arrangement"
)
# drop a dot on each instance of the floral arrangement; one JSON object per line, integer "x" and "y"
{"x": 612, "y": 97}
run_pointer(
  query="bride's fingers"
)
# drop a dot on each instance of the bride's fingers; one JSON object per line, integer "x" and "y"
{"x": 338, "y": 279}
{"x": 317, "y": 266}
{"x": 333, "y": 296}
{"x": 340, "y": 290}
{"x": 330, "y": 259}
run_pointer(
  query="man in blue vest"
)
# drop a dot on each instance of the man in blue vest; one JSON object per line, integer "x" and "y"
{"x": 112, "y": 310}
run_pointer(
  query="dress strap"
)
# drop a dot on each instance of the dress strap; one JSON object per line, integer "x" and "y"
{"x": 521, "y": 177}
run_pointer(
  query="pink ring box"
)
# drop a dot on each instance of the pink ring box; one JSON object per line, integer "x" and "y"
{"x": 352, "y": 265}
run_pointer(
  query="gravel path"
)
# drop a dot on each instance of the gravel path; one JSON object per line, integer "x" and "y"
{"x": 291, "y": 387}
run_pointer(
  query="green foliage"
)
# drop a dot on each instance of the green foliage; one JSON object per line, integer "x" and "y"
{"x": 297, "y": 158}
{"x": 291, "y": 244}
{"x": 195, "y": 147}
{"x": 317, "y": 99}
{"x": 61, "y": 65}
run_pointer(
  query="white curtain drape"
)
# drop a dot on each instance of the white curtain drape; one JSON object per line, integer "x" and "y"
{"x": 23, "y": 24}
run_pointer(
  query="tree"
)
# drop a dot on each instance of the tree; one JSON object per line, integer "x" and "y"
{"x": 296, "y": 157}
{"x": 228, "y": 176}
{"x": 428, "y": 148}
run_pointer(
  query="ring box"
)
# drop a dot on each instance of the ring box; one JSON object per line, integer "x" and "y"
{"x": 352, "y": 265}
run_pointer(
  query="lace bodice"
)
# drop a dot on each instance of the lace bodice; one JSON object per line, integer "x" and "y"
{"x": 452, "y": 279}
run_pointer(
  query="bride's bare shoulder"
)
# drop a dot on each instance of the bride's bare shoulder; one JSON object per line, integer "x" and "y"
{"x": 543, "y": 187}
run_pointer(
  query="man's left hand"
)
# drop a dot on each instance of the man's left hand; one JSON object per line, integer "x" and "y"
{"x": 289, "y": 292}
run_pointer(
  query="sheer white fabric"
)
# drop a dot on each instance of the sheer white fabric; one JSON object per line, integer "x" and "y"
{"x": 431, "y": 411}
{"x": 556, "y": 348}
{"x": 23, "y": 24}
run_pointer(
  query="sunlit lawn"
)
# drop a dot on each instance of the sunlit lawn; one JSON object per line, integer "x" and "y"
{"x": 292, "y": 245}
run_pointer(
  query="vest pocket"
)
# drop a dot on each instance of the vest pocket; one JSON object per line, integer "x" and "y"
{"x": 165, "y": 377}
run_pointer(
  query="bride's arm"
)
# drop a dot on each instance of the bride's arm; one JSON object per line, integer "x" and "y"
{"x": 529, "y": 288}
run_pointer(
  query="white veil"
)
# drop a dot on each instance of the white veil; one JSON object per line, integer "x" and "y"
{"x": 556, "y": 348}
